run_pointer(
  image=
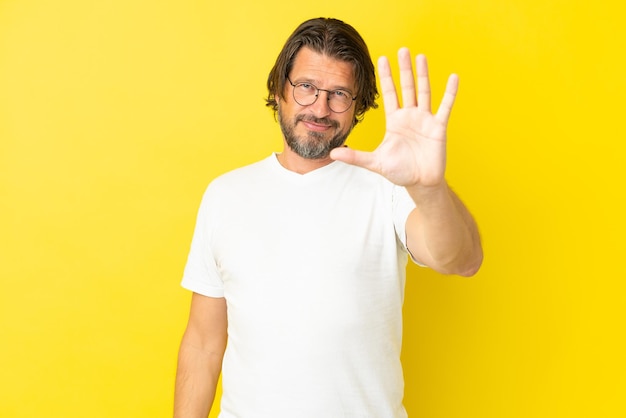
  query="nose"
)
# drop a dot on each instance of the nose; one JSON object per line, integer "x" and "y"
{"x": 320, "y": 107}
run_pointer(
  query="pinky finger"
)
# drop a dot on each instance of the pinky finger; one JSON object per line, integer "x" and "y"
{"x": 445, "y": 108}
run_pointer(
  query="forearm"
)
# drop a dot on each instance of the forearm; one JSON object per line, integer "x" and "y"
{"x": 196, "y": 380}
{"x": 443, "y": 231}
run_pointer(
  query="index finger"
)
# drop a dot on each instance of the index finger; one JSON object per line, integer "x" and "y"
{"x": 388, "y": 89}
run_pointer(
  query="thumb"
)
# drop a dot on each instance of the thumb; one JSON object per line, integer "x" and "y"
{"x": 354, "y": 157}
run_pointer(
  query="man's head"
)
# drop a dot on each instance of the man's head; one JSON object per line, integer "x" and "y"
{"x": 334, "y": 39}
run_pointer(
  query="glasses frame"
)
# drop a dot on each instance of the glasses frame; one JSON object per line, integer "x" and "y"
{"x": 317, "y": 95}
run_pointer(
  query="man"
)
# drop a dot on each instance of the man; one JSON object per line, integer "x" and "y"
{"x": 298, "y": 261}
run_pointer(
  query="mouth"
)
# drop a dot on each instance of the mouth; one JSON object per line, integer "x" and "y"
{"x": 317, "y": 125}
{"x": 312, "y": 126}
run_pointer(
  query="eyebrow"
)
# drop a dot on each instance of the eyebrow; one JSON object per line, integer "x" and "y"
{"x": 315, "y": 83}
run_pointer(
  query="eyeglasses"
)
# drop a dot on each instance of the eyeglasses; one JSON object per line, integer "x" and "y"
{"x": 305, "y": 94}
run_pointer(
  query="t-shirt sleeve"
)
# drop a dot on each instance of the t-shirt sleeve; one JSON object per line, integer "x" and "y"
{"x": 403, "y": 205}
{"x": 201, "y": 274}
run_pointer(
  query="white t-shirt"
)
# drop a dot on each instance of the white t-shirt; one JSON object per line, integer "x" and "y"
{"x": 313, "y": 270}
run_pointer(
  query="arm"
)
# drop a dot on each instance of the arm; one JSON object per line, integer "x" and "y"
{"x": 440, "y": 231}
{"x": 200, "y": 357}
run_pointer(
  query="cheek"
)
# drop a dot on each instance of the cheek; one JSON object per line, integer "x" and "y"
{"x": 348, "y": 121}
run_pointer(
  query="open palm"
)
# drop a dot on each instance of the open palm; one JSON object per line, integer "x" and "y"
{"x": 413, "y": 150}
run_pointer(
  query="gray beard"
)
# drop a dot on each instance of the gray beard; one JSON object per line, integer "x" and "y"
{"x": 313, "y": 146}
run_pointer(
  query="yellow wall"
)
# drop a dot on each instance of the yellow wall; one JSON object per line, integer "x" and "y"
{"x": 114, "y": 115}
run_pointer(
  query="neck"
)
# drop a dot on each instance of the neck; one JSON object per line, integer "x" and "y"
{"x": 293, "y": 162}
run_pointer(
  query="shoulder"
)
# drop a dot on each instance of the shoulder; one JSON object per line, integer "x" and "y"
{"x": 227, "y": 189}
{"x": 241, "y": 177}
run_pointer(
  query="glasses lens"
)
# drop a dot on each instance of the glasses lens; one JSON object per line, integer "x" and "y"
{"x": 339, "y": 101}
{"x": 306, "y": 94}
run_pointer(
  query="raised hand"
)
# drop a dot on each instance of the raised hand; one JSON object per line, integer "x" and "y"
{"x": 413, "y": 150}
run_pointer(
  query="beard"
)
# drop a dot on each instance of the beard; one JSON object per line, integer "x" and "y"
{"x": 313, "y": 145}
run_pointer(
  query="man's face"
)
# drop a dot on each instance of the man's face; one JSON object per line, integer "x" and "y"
{"x": 313, "y": 131}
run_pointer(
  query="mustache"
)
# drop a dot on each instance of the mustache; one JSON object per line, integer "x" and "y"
{"x": 321, "y": 121}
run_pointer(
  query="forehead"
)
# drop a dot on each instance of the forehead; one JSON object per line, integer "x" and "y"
{"x": 324, "y": 71}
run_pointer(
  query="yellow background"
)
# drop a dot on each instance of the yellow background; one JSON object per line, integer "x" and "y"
{"x": 114, "y": 116}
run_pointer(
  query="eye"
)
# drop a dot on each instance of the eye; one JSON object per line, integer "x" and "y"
{"x": 342, "y": 94}
{"x": 306, "y": 87}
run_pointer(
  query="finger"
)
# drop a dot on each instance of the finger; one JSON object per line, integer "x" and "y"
{"x": 423, "y": 83}
{"x": 445, "y": 108}
{"x": 390, "y": 98}
{"x": 359, "y": 158}
{"x": 407, "y": 79}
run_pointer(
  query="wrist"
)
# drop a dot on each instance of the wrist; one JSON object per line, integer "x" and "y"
{"x": 432, "y": 194}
